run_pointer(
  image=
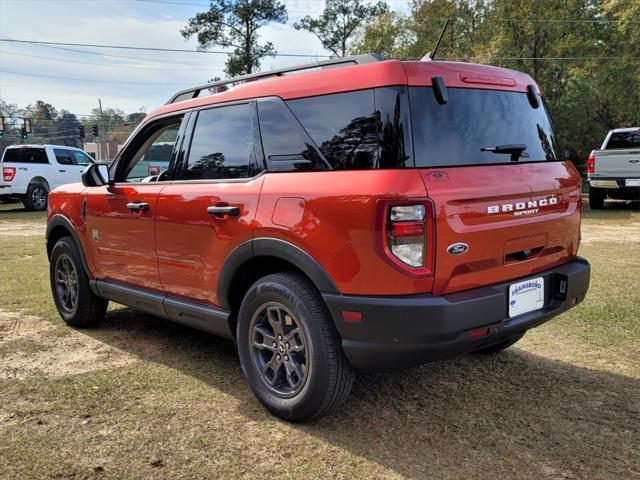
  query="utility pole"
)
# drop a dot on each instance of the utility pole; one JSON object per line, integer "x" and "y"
{"x": 103, "y": 128}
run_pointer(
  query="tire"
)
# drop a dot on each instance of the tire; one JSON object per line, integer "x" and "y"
{"x": 36, "y": 198}
{"x": 596, "y": 198}
{"x": 498, "y": 347}
{"x": 75, "y": 302}
{"x": 288, "y": 303}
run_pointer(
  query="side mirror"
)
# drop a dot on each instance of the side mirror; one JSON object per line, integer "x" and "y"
{"x": 96, "y": 175}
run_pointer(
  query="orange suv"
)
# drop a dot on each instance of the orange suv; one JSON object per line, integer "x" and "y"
{"x": 358, "y": 213}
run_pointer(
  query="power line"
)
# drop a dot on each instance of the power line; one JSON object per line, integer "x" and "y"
{"x": 64, "y": 60}
{"x": 90, "y": 80}
{"x": 150, "y": 49}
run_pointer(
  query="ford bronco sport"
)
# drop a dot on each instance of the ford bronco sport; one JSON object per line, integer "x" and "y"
{"x": 360, "y": 214}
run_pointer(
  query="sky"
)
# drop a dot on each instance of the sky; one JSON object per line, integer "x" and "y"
{"x": 73, "y": 78}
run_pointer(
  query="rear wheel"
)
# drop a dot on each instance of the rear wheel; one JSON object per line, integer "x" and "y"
{"x": 36, "y": 197}
{"x": 289, "y": 349}
{"x": 75, "y": 302}
{"x": 498, "y": 347}
{"x": 596, "y": 198}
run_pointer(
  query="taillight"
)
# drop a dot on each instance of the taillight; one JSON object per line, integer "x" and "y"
{"x": 404, "y": 235}
{"x": 591, "y": 163}
{"x": 8, "y": 173}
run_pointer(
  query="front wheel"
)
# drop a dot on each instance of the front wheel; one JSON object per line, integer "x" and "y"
{"x": 75, "y": 302}
{"x": 289, "y": 349}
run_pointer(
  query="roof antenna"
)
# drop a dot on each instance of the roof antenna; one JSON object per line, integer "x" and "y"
{"x": 432, "y": 54}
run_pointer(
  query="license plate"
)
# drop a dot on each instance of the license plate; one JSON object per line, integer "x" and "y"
{"x": 526, "y": 296}
{"x": 632, "y": 182}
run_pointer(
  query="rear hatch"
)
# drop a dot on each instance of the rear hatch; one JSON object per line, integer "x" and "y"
{"x": 16, "y": 160}
{"x": 516, "y": 209}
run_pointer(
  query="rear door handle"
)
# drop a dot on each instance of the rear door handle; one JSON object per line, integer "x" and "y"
{"x": 222, "y": 210}
{"x": 62, "y": 171}
{"x": 137, "y": 207}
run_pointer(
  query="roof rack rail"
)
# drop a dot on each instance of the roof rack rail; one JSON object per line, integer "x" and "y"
{"x": 222, "y": 85}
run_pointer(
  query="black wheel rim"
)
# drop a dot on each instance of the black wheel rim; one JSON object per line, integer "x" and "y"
{"x": 39, "y": 198}
{"x": 278, "y": 345}
{"x": 66, "y": 283}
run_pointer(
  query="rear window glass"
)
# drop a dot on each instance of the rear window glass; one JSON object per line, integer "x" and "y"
{"x": 621, "y": 140}
{"x": 473, "y": 119}
{"x": 343, "y": 126}
{"x": 25, "y": 155}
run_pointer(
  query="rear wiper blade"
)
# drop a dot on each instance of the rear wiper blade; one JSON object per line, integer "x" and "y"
{"x": 515, "y": 149}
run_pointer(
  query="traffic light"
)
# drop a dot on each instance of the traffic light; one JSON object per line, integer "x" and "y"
{"x": 1, "y": 128}
{"x": 23, "y": 134}
{"x": 81, "y": 134}
{"x": 27, "y": 125}
{"x": 94, "y": 131}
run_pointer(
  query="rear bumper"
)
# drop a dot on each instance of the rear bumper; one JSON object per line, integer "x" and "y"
{"x": 399, "y": 332}
{"x": 6, "y": 190}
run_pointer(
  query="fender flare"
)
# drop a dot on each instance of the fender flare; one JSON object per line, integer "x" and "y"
{"x": 59, "y": 220}
{"x": 271, "y": 247}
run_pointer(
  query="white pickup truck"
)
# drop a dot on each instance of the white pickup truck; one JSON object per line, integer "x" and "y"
{"x": 30, "y": 172}
{"x": 614, "y": 170}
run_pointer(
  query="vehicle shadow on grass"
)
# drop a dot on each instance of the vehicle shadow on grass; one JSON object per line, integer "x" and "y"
{"x": 510, "y": 415}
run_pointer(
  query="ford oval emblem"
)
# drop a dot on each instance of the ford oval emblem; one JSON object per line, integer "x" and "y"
{"x": 457, "y": 248}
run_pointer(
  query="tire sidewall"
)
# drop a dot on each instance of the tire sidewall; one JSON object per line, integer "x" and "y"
{"x": 78, "y": 317}
{"x": 28, "y": 203}
{"x": 310, "y": 397}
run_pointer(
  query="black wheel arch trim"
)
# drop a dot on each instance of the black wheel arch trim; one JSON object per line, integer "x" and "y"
{"x": 59, "y": 220}
{"x": 271, "y": 247}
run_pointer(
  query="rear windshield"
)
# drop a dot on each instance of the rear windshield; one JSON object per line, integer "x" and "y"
{"x": 620, "y": 140}
{"x": 472, "y": 119}
{"x": 25, "y": 155}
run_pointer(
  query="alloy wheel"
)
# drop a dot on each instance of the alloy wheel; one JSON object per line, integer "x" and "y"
{"x": 66, "y": 279}
{"x": 279, "y": 349}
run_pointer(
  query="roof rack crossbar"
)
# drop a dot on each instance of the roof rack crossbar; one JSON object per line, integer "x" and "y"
{"x": 194, "y": 92}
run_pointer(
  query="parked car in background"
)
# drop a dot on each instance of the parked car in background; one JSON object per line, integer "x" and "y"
{"x": 614, "y": 170}
{"x": 30, "y": 172}
{"x": 365, "y": 214}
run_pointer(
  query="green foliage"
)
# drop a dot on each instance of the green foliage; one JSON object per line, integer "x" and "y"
{"x": 339, "y": 22}
{"x": 565, "y": 45}
{"x": 235, "y": 24}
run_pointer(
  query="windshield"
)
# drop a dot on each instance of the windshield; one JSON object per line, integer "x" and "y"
{"x": 477, "y": 127}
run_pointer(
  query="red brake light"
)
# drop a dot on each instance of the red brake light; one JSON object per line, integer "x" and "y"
{"x": 407, "y": 229}
{"x": 479, "y": 333}
{"x": 8, "y": 173}
{"x": 591, "y": 163}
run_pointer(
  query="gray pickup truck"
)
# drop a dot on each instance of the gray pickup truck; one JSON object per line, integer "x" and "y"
{"x": 614, "y": 170}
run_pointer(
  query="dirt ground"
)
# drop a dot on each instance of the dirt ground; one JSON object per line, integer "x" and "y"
{"x": 139, "y": 397}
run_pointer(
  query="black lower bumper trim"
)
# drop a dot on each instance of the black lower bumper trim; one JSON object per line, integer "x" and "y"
{"x": 399, "y": 332}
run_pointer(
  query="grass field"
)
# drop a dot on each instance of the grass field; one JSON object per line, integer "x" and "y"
{"x": 139, "y": 397}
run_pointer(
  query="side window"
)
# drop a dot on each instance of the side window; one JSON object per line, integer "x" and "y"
{"x": 81, "y": 158}
{"x": 63, "y": 156}
{"x": 343, "y": 126}
{"x": 283, "y": 140}
{"x": 25, "y": 155}
{"x": 394, "y": 129}
{"x": 154, "y": 151}
{"x": 222, "y": 145}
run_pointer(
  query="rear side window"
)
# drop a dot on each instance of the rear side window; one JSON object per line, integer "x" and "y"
{"x": 472, "y": 119}
{"x": 622, "y": 140}
{"x": 25, "y": 155}
{"x": 343, "y": 126}
{"x": 222, "y": 146}
{"x": 64, "y": 156}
